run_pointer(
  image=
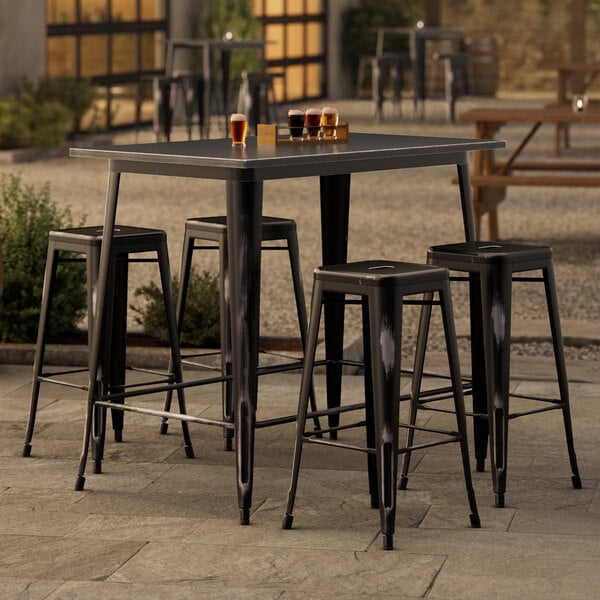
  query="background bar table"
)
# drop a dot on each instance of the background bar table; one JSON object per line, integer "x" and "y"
{"x": 209, "y": 72}
{"x": 244, "y": 170}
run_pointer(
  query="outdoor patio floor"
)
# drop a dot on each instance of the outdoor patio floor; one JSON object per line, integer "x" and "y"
{"x": 155, "y": 524}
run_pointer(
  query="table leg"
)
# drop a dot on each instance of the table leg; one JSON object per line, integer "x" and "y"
{"x": 335, "y": 208}
{"x": 244, "y": 215}
{"x": 466, "y": 200}
{"x": 480, "y": 424}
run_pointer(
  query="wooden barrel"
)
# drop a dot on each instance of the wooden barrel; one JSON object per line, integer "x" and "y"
{"x": 484, "y": 62}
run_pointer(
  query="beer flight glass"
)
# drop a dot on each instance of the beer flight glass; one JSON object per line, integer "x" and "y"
{"x": 329, "y": 121}
{"x": 295, "y": 123}
{"x": 314, "y": 119}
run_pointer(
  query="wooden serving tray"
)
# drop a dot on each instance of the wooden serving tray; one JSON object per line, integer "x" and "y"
{"x": 268, "y": 135}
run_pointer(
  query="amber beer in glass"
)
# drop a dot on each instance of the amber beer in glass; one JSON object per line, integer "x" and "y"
{"x": 312, "y": 120}
{"x": 238, "y": 126}
{"x": 295, "y": 123}
{"x": 329, "y": 121}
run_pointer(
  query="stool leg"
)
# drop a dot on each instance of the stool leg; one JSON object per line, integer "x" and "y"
{"x": 459, "y": 403}
{"x": 419, "y": 363}
{"x": 481, "y": 423}
{"x": 294, "y": 255}
{"x": 561, "y": 371}
{"x": 496, "y": 293}
{"x": 184, "y": 278}
{"x": 385, "y": 315}
{"x": 40, "y": 348}
{"x": 165, "y": 278}
{"x": 307, "y": 376}
{"x": 369, "y": 408}
{"x": 106, "y": 367}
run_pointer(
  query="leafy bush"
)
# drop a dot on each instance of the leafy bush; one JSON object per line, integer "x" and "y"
{"x": 75, "y": 94}
{"x": 44, "y": 115}
{"x": 26, "y": 217}
{"x": 26, "y": 123}
{"x": 201, "y": 323}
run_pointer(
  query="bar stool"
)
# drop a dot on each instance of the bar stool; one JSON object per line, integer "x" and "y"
{"x": 214, "y": 231}
{"x": 382, "y": 286}
{"x": 491, "y": 267}
{"x": 87, "y": 241}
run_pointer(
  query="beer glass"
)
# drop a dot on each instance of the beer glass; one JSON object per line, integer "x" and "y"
{"x": 238, "y": 126}
{"x": 329, "y": 120}
{"x": 312, "y": 120}
{"x": 295, "y": 123}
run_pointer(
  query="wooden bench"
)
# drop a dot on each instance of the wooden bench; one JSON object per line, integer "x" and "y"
{"x": 490, "y": 177}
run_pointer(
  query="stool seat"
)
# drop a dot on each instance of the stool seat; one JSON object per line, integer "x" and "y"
{"x": 491, "y": 267}
{"x": 382, "y": 286}
{"x": 477, "y": 253}
{"x": 125, "y": 236}
{"x": 380, "y": 273}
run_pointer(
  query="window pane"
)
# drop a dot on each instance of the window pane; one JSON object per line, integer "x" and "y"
{"x": 257, "y": 8}
{"x": 314, "y": 39}
{"x": 294, "y": 82}
{"x": 313, "y": 79}
{"x": 124, "y": 52}
{"x": 93, "y": 55}
{"x": 294, "y": 7}
{"x": 60, "y": 11}
{"x": 153, "y": 53}
{"x": 314, "y": 7}
{"x": 123, "y": 104}
{"x": 152, "y": 10}
{"x": 274, "y": 8}
{"x": 295, "y": 40}
{"x": 61, "y": 56}
{"x": 94, "y": 11}
{"x": 274, "y": 38}
{"x": 124, "y": 10}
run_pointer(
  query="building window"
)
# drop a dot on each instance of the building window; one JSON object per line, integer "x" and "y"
{"x": 295, "y": 34}
{"x": 119, "y": 44}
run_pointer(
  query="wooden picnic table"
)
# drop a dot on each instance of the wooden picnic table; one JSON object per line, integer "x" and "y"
{"x": 490, "y": 177}
{"x": 585, "y": 74}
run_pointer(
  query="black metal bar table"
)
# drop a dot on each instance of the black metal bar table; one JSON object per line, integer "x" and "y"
{"x": 209, "y": 71}
{"x": 244, "y": 170}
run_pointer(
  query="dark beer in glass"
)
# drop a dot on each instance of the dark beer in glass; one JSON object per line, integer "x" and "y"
{"x": 312, "y": 120}
{"x": 295, "y": 123}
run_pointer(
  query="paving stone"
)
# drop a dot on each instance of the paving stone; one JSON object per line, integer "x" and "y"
{"x": 294, "y": 569}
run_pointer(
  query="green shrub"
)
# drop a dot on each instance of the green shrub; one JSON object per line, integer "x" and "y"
{"x": 26, "y": 217}
{"x": 44, "y": 115}
{"x": 25, "y": 123}
{"x": 201, "y": 323}
{"x": 75, "y": 94}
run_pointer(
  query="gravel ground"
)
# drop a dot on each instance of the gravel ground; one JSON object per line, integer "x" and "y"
{"x": 394, "y": 214}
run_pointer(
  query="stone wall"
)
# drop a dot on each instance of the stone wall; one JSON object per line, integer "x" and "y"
{"x": 529, "y": 38}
